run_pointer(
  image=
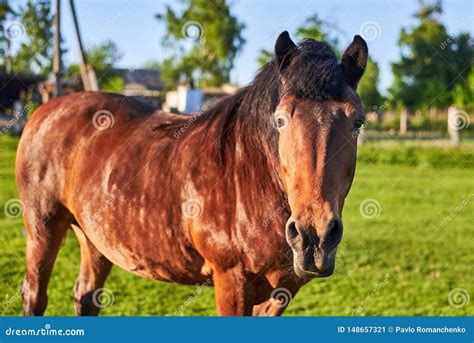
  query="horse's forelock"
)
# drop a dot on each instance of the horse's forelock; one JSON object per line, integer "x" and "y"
{"x": 314, "y": 72}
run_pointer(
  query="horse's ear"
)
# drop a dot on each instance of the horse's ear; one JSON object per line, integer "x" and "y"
{"x": 284, "y": 48}
{"x": 354, "y": 60}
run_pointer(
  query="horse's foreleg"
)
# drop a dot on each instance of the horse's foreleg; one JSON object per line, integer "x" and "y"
{"x": 234, "y": 296}
{"x": 44, "y": 234}
{"x": 279, "y": 300}
{"x": 269, "y": 308}
{"x": 94, "y": 270}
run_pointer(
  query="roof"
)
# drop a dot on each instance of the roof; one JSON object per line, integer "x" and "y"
{"x": 149, "y": 78}
{"x": 18, "y": 80}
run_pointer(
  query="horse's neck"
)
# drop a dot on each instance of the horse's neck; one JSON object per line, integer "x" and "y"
{"x": 256, "y": 149}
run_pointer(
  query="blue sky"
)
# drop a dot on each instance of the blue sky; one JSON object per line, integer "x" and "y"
{"x": 132, "y": 26}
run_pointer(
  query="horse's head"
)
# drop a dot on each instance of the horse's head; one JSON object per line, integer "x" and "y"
{"x": 318, "y": 118}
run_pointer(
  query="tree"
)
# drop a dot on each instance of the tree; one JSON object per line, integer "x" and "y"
{"x": 463, "y": 94}
{"x": 103, "y": 58}
{"x": 321, "y": 30}
{"x": 205, "y": 38}
{"x": 368, "y": 86}
{"x": 430, "y": 61}
{"x": 152, "y": 64}
{"x": 265, "y": 57}
{"x": 315, "y": 28}
{"x": 5, "y": 12}
{"x": 36, "y": 53}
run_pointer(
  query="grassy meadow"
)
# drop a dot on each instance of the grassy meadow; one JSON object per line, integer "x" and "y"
{"x": 408, "y": 246}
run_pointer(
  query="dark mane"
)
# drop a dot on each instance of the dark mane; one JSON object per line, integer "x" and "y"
{"x": 245, "y": 118}
{"x": 313, "y": 74}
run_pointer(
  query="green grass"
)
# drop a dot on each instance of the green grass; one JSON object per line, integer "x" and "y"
{"x": 405, "y": 261}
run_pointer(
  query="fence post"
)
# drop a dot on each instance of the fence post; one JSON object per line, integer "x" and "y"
{"x": 453, "y": 127}
{"x": 403, "y": 121}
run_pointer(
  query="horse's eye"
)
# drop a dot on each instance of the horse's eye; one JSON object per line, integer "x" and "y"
{"x": 358, "y": 123}
{"x": 281, "y": 121}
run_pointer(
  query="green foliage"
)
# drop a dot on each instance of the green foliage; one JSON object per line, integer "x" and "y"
{"x": 368, "y": 86}
{"x": 103, "y": 58}
{"x": 315, "y": 28}
{"x": 321, "y": 30}
{"x": 397, "y": 263}
{"x": 152, "y": 64}
{"x": 5, "y": 12}
{"x": 265, "y": 57}
{"x": 464, "y": 92}
{"x": 205, "y": 38}
{"x": 114, "y": 84}
{"x": 399, "y": 154}
{"x": 36, "y": 53}
{"x": 430, "y": 62}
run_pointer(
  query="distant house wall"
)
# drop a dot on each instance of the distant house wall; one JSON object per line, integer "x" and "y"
{"x": 190, "y": 100}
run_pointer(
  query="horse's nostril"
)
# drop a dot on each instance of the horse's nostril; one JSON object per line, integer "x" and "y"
{"x": 291, "y": 230}
{"x": 334, "y": 232}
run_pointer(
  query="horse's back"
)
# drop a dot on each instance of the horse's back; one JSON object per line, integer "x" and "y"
{"x": 59, "y": 130}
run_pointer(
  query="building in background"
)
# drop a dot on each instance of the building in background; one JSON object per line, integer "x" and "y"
{"x": 144, "y": 84}
{"x": 187, "y": 99}
{"x": 18, "y": 95}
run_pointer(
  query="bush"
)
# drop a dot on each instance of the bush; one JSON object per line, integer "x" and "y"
{"x": 417, "y": 155}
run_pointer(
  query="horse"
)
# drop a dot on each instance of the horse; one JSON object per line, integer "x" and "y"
{"x": 245, "y": 196}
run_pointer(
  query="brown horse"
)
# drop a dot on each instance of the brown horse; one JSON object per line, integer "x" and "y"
{"x": 246, "y": 196}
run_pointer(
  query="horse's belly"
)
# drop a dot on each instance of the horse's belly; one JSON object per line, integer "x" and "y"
{"x": 152, "y": 256}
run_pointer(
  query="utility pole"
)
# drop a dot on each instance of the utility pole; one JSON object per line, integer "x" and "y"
{"x": 87, "y": 72}
{"x": 57, "y": 50}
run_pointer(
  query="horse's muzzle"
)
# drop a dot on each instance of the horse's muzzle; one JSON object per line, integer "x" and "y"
{"x": 314, "y": 256}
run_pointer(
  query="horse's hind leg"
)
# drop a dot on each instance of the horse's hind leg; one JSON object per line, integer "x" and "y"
{"x": 94, "y": 270}
{"x": 44, "y": 234}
